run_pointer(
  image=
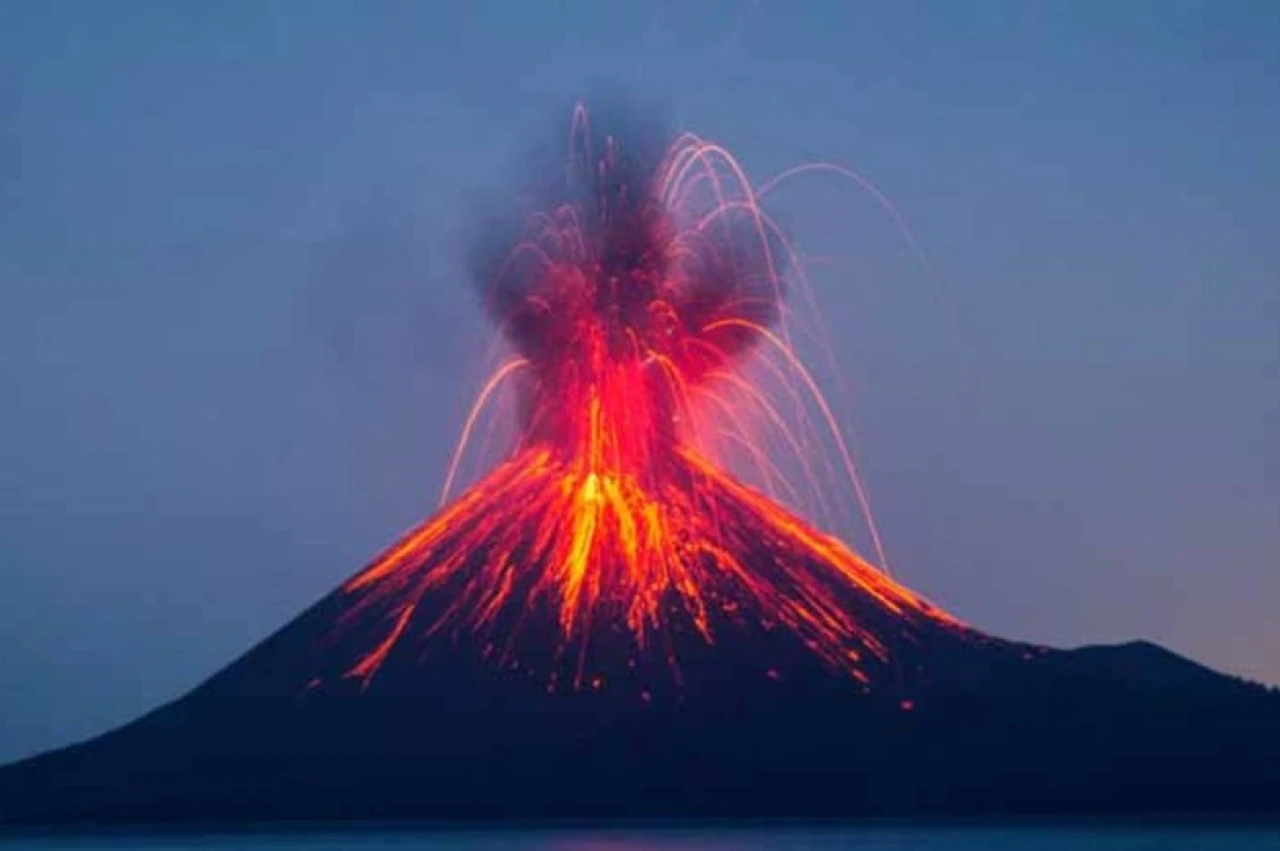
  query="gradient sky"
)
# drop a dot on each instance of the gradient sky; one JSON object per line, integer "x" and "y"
{"x": 236, "y": 339}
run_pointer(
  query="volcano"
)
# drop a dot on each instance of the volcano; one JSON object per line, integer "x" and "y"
{"x": 628, "y": 616}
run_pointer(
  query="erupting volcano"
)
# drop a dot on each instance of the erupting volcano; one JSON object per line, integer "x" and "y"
{"x": 631, "y": 299}
{"x": 626, "y": 615}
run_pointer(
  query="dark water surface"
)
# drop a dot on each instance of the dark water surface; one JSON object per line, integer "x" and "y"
{"x": 1039, "y": 838}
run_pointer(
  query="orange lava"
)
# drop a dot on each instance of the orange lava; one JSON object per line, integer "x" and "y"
{"x": 629, "y": 307}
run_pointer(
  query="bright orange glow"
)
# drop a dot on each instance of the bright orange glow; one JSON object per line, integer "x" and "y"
{"x": 632, "y": 309}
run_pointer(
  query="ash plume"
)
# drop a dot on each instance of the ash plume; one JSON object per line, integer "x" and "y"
{"x": 597, "y": 227}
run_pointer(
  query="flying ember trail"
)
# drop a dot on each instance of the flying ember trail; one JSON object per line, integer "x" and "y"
{"x": 632, "y": 299}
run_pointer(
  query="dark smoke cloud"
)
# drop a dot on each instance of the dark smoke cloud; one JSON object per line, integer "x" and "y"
{"x": 730, "y": 272}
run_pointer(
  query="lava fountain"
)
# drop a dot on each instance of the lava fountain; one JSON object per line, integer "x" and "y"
{"x": 630, "y": 298}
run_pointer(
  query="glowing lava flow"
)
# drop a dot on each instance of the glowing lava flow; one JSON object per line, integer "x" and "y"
{"x": 629, "y": 303}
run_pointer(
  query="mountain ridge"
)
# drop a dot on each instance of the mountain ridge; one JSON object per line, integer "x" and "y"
{"x": 979, "y": 727}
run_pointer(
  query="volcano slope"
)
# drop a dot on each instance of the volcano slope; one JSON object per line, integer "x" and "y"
{"x": 758, "y": 727}
{"x": 609, "y": 624}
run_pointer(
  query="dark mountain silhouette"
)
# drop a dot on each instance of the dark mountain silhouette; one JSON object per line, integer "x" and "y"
{"x": 609, "y": 624}
{"x": 753, "y": 727}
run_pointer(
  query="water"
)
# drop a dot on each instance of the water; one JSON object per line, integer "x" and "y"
{"x": 1130, "y": 838}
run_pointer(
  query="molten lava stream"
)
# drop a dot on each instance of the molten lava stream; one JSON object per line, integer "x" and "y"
{"x": 542, "y": 533}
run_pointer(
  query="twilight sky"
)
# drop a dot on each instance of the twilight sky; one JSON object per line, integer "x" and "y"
{"x": 237, "y": 340}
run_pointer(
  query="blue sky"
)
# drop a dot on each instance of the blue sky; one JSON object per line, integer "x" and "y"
{"x": 237, "y": 339}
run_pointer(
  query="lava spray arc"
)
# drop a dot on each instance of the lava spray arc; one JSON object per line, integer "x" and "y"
{"x": 643, "y": 305}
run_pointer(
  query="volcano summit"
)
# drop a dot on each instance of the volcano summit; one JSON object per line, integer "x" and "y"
{"x": 610, "y": 623}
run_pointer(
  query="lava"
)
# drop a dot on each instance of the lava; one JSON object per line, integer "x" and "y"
{"x": 632, "y": 300}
